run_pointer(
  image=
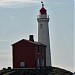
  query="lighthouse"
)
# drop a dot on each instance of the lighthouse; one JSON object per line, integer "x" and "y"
{"x": 43, "y": 32}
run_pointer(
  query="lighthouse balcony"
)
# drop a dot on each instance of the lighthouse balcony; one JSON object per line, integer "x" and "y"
{"x": 43, "y": 16}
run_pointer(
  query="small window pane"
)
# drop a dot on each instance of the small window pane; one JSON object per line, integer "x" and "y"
{"x": 22, "y": 64}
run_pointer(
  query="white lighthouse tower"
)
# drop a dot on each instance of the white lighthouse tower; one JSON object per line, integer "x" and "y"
{"x": 43, "y": 32}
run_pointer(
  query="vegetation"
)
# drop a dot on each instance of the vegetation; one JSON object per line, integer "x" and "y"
{"x": 37, "y": 71}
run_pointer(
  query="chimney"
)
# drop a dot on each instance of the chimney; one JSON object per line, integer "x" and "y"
{"x": 31, "y": 38}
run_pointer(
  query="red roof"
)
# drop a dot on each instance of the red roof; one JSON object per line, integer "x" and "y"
{"x": 43, "y": 10}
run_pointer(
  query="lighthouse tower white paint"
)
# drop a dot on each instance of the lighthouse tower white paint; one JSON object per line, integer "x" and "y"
{"x": 43, "y": 32}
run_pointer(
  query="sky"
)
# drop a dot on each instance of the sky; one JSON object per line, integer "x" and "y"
{"x": 18, "y": 19}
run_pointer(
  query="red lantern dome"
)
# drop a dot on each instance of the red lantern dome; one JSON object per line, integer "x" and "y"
{"x": 43, "y": 10}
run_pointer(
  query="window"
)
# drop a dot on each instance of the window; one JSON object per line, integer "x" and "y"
{"x": 41, "y": 27}
{"x": 42, "y": 50}
{"x": 22, "y": 64}
{"x": 38, "y": 49}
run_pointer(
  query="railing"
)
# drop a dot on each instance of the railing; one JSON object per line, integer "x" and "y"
{"x": 42, "y": 16}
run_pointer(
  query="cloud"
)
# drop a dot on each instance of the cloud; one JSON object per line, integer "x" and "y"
{"x": 26, "y": 1}
{"x": 11, "y": 2}
{"x": 18, "y": 3}
{"x": 3, "y": 40}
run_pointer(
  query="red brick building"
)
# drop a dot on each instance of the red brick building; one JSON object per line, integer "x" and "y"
{"x": 28, "y": 54}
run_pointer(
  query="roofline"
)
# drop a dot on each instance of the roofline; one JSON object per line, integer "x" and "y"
{"x": 35, "y": 43}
